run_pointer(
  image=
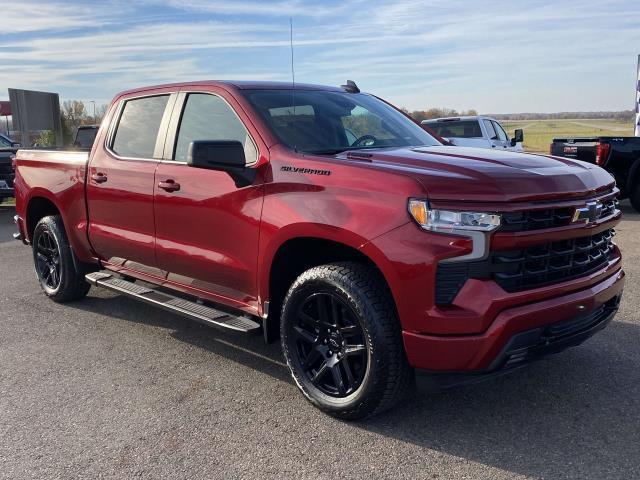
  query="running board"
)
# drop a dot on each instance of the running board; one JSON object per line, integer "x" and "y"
{"x": 194, "y": 311}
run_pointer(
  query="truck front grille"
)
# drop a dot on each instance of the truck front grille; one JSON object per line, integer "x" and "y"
{"x": 554, "y": 262}
{"x": 549, "y": 218}
{"x": 524, "y": 269}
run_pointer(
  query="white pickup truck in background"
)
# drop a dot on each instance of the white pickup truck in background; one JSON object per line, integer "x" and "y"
{"x": 476, "y": 131}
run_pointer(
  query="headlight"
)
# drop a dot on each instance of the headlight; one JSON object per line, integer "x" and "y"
{"x": 475, "y": 225}
{"x": 447, "y": 221}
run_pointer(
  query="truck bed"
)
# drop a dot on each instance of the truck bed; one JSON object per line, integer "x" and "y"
{"x": 620, "y": 156}
{"x": 59, "y": 177}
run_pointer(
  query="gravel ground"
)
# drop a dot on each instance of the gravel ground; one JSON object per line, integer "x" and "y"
{"x": 110, "y": 388}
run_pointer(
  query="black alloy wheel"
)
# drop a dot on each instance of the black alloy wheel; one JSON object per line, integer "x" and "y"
{"x": 61, "y": 276}
{"x": 330, "y": 345}
{"x": 48, "y": 261}
{"x": 342, "y": 340}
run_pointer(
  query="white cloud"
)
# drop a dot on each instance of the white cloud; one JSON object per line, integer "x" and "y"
{"x": 488, "y": 55}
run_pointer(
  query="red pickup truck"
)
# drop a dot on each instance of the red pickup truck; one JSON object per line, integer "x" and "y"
{"x": 326, "y": 217}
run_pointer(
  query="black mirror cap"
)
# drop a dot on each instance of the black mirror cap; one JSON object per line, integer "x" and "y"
{"x": 519, "y": 136}
{"x": 226, "y": 155}
{"x": 223, "y": 155}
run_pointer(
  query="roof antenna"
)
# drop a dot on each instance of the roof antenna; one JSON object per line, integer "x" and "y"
{"x": 351, "y": 87}
{"x": 293, "y": 80}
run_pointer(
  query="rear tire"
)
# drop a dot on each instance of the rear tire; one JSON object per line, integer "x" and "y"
{"x": 342, "y": 341}
{"x": 634, "y": 197}
{"x": 59, "y": 278}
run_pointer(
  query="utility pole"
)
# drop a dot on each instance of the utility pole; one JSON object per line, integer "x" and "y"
{"x": 94, "y": 110}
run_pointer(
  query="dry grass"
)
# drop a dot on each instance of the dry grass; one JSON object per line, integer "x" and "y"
{"x": 538, "y": 134}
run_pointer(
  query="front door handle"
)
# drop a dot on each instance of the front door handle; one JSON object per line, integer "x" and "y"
{"x": 99, "y": 177}
{"x": 169, "y": 185}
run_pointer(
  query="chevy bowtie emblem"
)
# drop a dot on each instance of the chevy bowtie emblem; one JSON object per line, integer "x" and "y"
{"x": 589, "y": 213}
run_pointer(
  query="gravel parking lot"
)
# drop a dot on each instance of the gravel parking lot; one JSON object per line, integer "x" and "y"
{"x": 110, "y": 388}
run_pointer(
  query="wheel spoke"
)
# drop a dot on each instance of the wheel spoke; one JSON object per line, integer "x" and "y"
{"x": 319, "y": 373}
{"x": 347, "y": 370}
{"x": 354, "y": 349}
{"x": 308, "y": 319}
{"x": 337, "y": 379}
{"x": 56, "y": 277}
{"x": 46, "y": 274}
{"x": 313, "y": 357}
{"x": 349, "y": 330}
{"x": 305, "y": 335}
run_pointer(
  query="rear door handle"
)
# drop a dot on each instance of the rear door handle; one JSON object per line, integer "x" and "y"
{"x": 169, "y": 185}
{"x": 99, "y": 177}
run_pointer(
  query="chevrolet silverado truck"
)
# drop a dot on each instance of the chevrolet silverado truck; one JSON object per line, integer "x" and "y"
{"x": 328, "y": 218}
{"x": 620, "y": 156}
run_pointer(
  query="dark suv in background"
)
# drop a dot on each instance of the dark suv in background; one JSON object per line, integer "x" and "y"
{"x": 8, "y": 148}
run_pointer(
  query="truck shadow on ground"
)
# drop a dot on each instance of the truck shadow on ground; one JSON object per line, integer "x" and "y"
{"x": 574, "y": 414}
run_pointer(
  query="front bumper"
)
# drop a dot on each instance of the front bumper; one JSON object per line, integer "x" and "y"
{"x": 520, "y": 334}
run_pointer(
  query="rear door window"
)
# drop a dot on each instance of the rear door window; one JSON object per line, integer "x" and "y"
{"x": 461, "y": 129}
{"x": 138, "y": 127}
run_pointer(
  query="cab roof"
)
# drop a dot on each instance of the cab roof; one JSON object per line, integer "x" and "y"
{"x": 236, "y": 84}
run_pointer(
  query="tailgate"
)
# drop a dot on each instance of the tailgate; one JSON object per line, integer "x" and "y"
{"x": 576, "y": 148}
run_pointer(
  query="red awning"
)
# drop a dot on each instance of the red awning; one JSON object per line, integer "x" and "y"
{"x": 5, "y": 108}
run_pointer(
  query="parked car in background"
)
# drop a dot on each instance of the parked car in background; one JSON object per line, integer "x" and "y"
{"x": 369, "y": 254}
{"x": 620, "y": 156}
{"x": 475, "y": 131}
{"x": 7, "y": 150}
{"x": 6, "y": 144}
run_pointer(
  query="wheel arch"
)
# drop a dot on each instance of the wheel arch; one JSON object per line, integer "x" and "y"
{"x": 40, "y": 205}
{"x": 294, "y": 254}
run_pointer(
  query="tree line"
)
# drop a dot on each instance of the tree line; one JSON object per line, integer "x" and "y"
{"x": 622, "y": 115}
{"x": 74, "y": 113}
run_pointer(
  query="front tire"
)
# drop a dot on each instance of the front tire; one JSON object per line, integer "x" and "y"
{"x": 59, "y": 278}
{"x": 341, "y": 339}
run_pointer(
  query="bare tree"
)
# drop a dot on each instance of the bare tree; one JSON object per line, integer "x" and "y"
{"x": 74, "y": 112}
{"x": 101, "y": 111}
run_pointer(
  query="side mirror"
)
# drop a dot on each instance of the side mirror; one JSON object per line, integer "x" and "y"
{"x": 222, "y": 155}
{"x": 518, "y": 138}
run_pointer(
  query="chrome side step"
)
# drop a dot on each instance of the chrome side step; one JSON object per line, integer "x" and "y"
{"x": 186, "y": 308}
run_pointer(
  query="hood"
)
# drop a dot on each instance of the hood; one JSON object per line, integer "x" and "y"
{"x": 474, "y": 174}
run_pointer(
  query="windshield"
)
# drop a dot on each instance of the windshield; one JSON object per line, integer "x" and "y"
{"x": 330, "y": 122}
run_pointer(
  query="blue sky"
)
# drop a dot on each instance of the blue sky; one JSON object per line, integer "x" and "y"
{"x": 495, "y": 56}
